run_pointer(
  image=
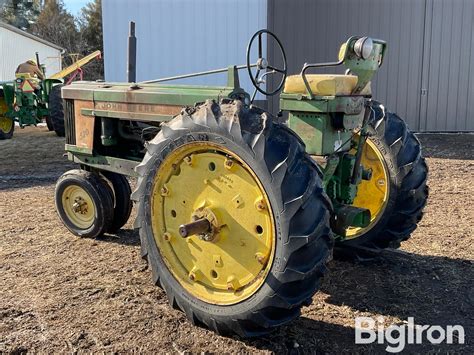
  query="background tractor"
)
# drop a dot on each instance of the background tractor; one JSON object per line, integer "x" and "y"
{"x": 28, "y": 100}
{"x": 237, "y": 213}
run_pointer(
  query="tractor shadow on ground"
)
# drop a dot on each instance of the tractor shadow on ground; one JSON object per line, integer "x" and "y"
{"x": 124, "y": 236}
{"x": 433, "y": 290}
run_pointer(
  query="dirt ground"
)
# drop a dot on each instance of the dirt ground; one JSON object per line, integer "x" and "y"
{"x": 59, "y": 293}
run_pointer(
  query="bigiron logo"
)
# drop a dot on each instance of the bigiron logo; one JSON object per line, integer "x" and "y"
{"x": 369, "y": 330}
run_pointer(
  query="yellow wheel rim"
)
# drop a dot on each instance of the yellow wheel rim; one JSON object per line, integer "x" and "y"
{"x": 78, "y": 206}
{"x": 205, "y": 177}
{"x": 372, "y": 194}
{"x": 6, "y": 124}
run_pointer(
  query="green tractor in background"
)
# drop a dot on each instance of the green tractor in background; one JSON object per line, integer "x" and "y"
{"x": 237, "y": 213}
{"x": 28, "y": 100}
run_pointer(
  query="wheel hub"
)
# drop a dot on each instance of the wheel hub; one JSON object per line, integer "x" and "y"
{"x": 212, "y": 223}
{"x": 78, "y": 206}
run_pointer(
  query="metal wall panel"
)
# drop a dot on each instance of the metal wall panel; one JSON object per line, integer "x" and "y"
{"x": 448, "y": 75}
{"x": 17, "y": 49}
{"x": 428, "y": 72}
{"x": 180, "y": 36}
{"x": 313, "y": 30}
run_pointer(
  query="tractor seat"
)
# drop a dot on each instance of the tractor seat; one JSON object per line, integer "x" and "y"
{"x": 321, "y": 84}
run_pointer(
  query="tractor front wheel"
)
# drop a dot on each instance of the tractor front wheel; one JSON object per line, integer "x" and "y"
{"x": 122, "y": 203}
{"x": 84, "y": 203}
{"x": 232, "y": 218}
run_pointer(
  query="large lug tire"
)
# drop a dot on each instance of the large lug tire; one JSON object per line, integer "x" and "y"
{"x": 406, "y": 191}
{"x": 56, "y": 110}
{"x": 291, "y": 182}
{"x": 84, "y": 203}
{"x": 122, "y": 200}
{"x": 7, "y": 127}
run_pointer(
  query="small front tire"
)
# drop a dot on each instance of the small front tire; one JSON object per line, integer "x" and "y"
{"x": 122, "y": 201}
{"x": 84, "y": 203}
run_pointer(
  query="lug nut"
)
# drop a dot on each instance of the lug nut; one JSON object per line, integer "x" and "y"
{"x": 188, "y": 160}
{"x": 260, "y": 258}
{"x": 76, "y": 207}
{"x": 228, "y": 163}
{"x": 260, "y": 205}
{"x": 164, "y": 191}
{"x": 232, "y": 283}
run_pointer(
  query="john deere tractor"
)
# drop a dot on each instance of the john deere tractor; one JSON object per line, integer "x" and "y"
{"x": 28, "y": 100}
{"x": 238, "y": 214}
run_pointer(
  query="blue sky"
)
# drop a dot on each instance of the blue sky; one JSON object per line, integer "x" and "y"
{"x": 75, "y": 6}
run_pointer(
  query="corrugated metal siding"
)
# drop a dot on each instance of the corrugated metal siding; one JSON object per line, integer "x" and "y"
{"x": 180, "y": 36}
{"x": 313, "y": 30}
{"x": 16, "y": 49}
{"x": 448, "y": 74}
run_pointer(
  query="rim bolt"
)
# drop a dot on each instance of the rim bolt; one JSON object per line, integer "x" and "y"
{"x": 260, "y": 258}
{"x": 228, "y": 163}
{"x": 232, "y": 283}
{"x": 260, "y": 205}
{"x": 188, "y": 160}
{"x": 164, "y": 191}
{"x": 381, "y": 182}
{"x": 167, "y": 236}
{"x": 193, "y": 274}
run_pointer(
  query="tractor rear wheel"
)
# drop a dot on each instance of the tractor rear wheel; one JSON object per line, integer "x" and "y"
{"x": 7, "y": 126}
{"x": 56, "y": 110}
{"x": 263, "y": 239}
{"x": 121, "y": 197}
{"x": 397, "y": 192}
{"x": 84, "y": 203}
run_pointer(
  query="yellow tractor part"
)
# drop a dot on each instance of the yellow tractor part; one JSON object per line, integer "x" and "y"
{"x": 78, "y": 206}
{"x": 230, "y": 262}
{"x": 75, "y": 66}
{"x": 6, "y": 123}
{"x": 372, "y": 194}
{"x": 321, "y": 84}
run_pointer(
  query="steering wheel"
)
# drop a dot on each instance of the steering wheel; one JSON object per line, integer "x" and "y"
{"x": 262, "y": 64}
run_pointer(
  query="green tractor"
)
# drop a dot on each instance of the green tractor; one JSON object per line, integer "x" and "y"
{"x": 28, "y": 100}
{"x": 238, "y": 214}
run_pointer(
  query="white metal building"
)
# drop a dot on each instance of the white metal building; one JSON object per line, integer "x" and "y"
{"x": 180, "y": 36}
{"x": 17, "y": 46}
